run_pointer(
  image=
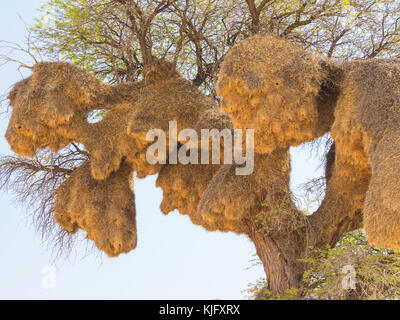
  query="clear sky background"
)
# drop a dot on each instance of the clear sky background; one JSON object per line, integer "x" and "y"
{"x": 173, "y": 260}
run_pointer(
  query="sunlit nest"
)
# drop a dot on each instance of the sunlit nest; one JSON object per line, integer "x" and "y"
{"x": 367, "y": 137}
{"x": 275, "y": 87}
{"x": 232, "y": 201}
{"x": 104, "y": 209}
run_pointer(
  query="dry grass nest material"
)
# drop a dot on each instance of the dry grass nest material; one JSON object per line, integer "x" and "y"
{"x": 276, "y": 88}
{"x": 104, "y": 209}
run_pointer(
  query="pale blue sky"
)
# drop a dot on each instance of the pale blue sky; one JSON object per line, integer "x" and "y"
{"x": 174, "y": 259}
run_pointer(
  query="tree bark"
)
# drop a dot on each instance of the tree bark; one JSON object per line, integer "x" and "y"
{"x": 282, "y": 255}
{"x": 282, "y": 250}
{"x": 280, "y": 258}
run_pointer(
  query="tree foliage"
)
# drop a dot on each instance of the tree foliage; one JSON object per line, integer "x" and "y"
{"x": 377, "y": 273}
{"x": 112, "y": 38}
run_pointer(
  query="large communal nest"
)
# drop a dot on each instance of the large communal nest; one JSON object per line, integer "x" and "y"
{"x": 231, "y": 201}
{"x": 367, "y": 137}
{"x": 109, "y": 144}
{"x": 167, "y": 97}
{"x": 278, "y": 89}
{"x": 183, "y": 185}
{"x": 50, "y": 107}
{"x": 104, "y": 209}
{"x": 286, "y": 94}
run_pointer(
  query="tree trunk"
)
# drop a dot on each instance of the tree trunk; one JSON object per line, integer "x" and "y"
{"x": 282, "y": 268}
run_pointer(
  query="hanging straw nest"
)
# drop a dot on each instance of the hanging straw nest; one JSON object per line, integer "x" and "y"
{"x": 275, "y": 87}
{"x": 367, "y": 136}
{"x": 214, "y": 119}
{"x": 50, "y": 108}
{"x": 162, "y": 96}
{"x": 104, "y": 209}
{"x": 214, "y": 126}
{"x": 109, "y": 144}
{"x": 166, "y": 97}
{"x": 26, "y": 132}
{"x": 231, "y": 201}
{"x": 183, "y": 185}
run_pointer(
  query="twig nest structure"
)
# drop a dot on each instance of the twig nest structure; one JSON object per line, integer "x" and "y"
{"x": 367, "y": 137}
{"x": 230, "y": 200}
{"x": 104, "y": 209}
{"x": 273, "y": 86}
